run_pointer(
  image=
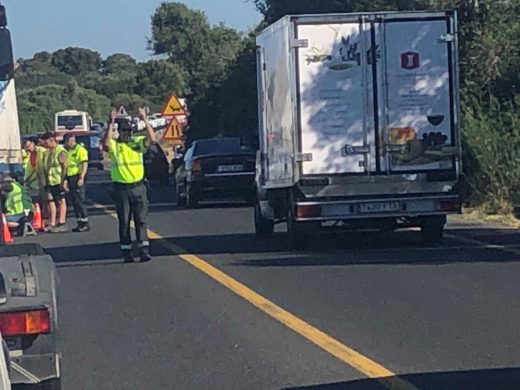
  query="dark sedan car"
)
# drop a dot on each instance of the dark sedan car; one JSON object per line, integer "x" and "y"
{"x": 92, "y": 141}
{"x": 214, "y": 168}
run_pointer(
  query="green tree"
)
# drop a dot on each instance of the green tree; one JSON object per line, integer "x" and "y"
{"x": 157, "y": 78}
{"x": 202, "y": 51}
{"x": 119, "y": 63}
{"x": 75, "y": 60}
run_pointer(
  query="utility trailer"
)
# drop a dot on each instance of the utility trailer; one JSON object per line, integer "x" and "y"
{"x": 358, "y": 122}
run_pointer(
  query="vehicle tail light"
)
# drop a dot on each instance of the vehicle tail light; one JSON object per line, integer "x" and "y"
{"x": 196, "y": 168}
{"x": 308, "y": 211}
{"x": 25, "y": 322}
{"x": 449, "y": 205}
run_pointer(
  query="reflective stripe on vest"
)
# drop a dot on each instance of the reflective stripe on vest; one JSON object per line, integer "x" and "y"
{"x": 54, "y": 169}
{"x": 127, "y": 161}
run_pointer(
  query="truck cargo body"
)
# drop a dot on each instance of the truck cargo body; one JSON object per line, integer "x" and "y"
{"x": 358, "y": 121}
{"x": 10, "y": 144}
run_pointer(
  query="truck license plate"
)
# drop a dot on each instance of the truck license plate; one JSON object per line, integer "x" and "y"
{"x": 230, "y": 168}
{"x": 379, "y": 207}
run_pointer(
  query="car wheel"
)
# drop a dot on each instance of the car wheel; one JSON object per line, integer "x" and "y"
{"x": 192, "y": 198}
{"x": 263, "y": 227}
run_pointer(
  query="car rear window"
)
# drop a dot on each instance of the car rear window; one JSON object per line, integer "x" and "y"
{"x": 220, "y": 146}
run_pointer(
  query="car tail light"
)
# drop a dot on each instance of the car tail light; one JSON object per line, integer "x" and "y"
{"x": 196, "y": 168}
{"x": 25, "y": 322}
{"x": 449, "y": 205}
{"x": 308, "y": 211}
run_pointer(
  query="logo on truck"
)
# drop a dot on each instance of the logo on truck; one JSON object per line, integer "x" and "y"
{"x": 410, "y": 60}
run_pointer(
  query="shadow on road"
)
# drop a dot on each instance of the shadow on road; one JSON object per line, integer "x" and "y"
{"x": 338, "y": 249}
{"x": 485, "y": 379}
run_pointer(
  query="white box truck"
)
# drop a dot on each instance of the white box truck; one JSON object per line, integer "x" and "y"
{"x": 358, "y": 122}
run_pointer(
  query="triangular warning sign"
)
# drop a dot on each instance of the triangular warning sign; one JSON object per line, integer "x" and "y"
{"x": 173, "y": 106}
{"x": 121, "y": 113}
{"x": 174, "y": 130}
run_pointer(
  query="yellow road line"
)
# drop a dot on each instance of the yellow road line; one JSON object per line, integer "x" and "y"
{"x": 344, "y": 353}
{"x": 348, "y": 355}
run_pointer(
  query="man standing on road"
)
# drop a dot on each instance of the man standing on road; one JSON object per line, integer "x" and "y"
{"x": 55, "y": 185}
{"x": 33, "y": 166}
{"x": 77, "y": 167}
{"x": 129, "y": 191}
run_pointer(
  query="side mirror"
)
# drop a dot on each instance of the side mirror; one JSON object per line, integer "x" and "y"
{"x": 6, "y": 55}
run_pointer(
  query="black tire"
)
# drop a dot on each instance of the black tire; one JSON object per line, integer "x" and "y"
{"x": 192, "y": 198}
{"x": 432, "y": 230}
{"x": 263, "y": 227}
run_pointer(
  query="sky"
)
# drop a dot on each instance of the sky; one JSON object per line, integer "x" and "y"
{"x": 107, "y": 26}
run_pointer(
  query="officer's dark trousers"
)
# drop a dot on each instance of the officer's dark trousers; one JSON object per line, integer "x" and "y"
{"x": 132, "y": 200}
{"x": 77, "y": 196}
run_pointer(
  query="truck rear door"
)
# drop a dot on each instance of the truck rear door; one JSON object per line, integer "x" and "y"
{"x": 416, "y": 83}
{"x": 334, "y": 84}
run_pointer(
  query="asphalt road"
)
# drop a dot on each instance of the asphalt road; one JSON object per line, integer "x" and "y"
{"x": 438, "y": 318}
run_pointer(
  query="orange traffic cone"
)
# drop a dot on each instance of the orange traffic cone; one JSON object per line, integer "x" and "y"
{"x": 6, "y": 233}
{"x": 37, "y": 221}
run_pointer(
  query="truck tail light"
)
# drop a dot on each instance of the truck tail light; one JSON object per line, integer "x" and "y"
{"x": 20, "y": 323}
{"x": 449, "y": 205}
{"x": 308, "y": 211}
{"x": 196, "y": 168}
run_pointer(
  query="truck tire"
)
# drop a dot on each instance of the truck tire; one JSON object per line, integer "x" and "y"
{"x": 263, "y": 227}
{"x": 432, "y": 229}
{"x": 192, "y": 198}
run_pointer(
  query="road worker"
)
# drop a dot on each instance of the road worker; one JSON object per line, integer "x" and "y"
{"x": 34, "y": 172}
{"x": 17, "y": 204}
{"x": 77, "y": 167}
{"x": 129, "y": 190}
{"x": 55, "y": 183}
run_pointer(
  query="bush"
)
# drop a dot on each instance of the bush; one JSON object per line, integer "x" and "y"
{"x": 492, "y": 154}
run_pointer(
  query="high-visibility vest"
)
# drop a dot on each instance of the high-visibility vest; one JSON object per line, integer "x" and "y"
{"x": 127, "y": 160}
{"x": 33, "y": 176}
{"x": 54, "y": 169}
{"x": 17, "y": 200}
{"x": 75, "y": 157}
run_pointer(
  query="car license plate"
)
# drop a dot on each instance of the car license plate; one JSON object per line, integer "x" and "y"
{"x": 379, "y": 207}
{"x": 230, "y": 168}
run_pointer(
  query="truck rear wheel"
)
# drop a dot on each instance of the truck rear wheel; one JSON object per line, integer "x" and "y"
{"x": 432, "y": 229}
{"x": 263, "y": 227}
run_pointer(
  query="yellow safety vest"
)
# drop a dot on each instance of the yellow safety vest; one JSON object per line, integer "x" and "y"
{"x": 33, "y": 176}
{"x": 75, "y": 157}
{"x": 54, "y": 169}
{"x": 17, "y": 200}
{"x": 127, "y": 160}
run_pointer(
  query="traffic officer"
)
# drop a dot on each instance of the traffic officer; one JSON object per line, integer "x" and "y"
{"x": 77, "y": 167}
{"x": 129, "y": 190}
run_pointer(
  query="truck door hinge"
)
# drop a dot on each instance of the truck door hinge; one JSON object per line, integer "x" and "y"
{"x": 298, "y": 43}
{"x": 303, "y": 157}
{"x": 356, "y": 149}
{"x": 447, "y": 38}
